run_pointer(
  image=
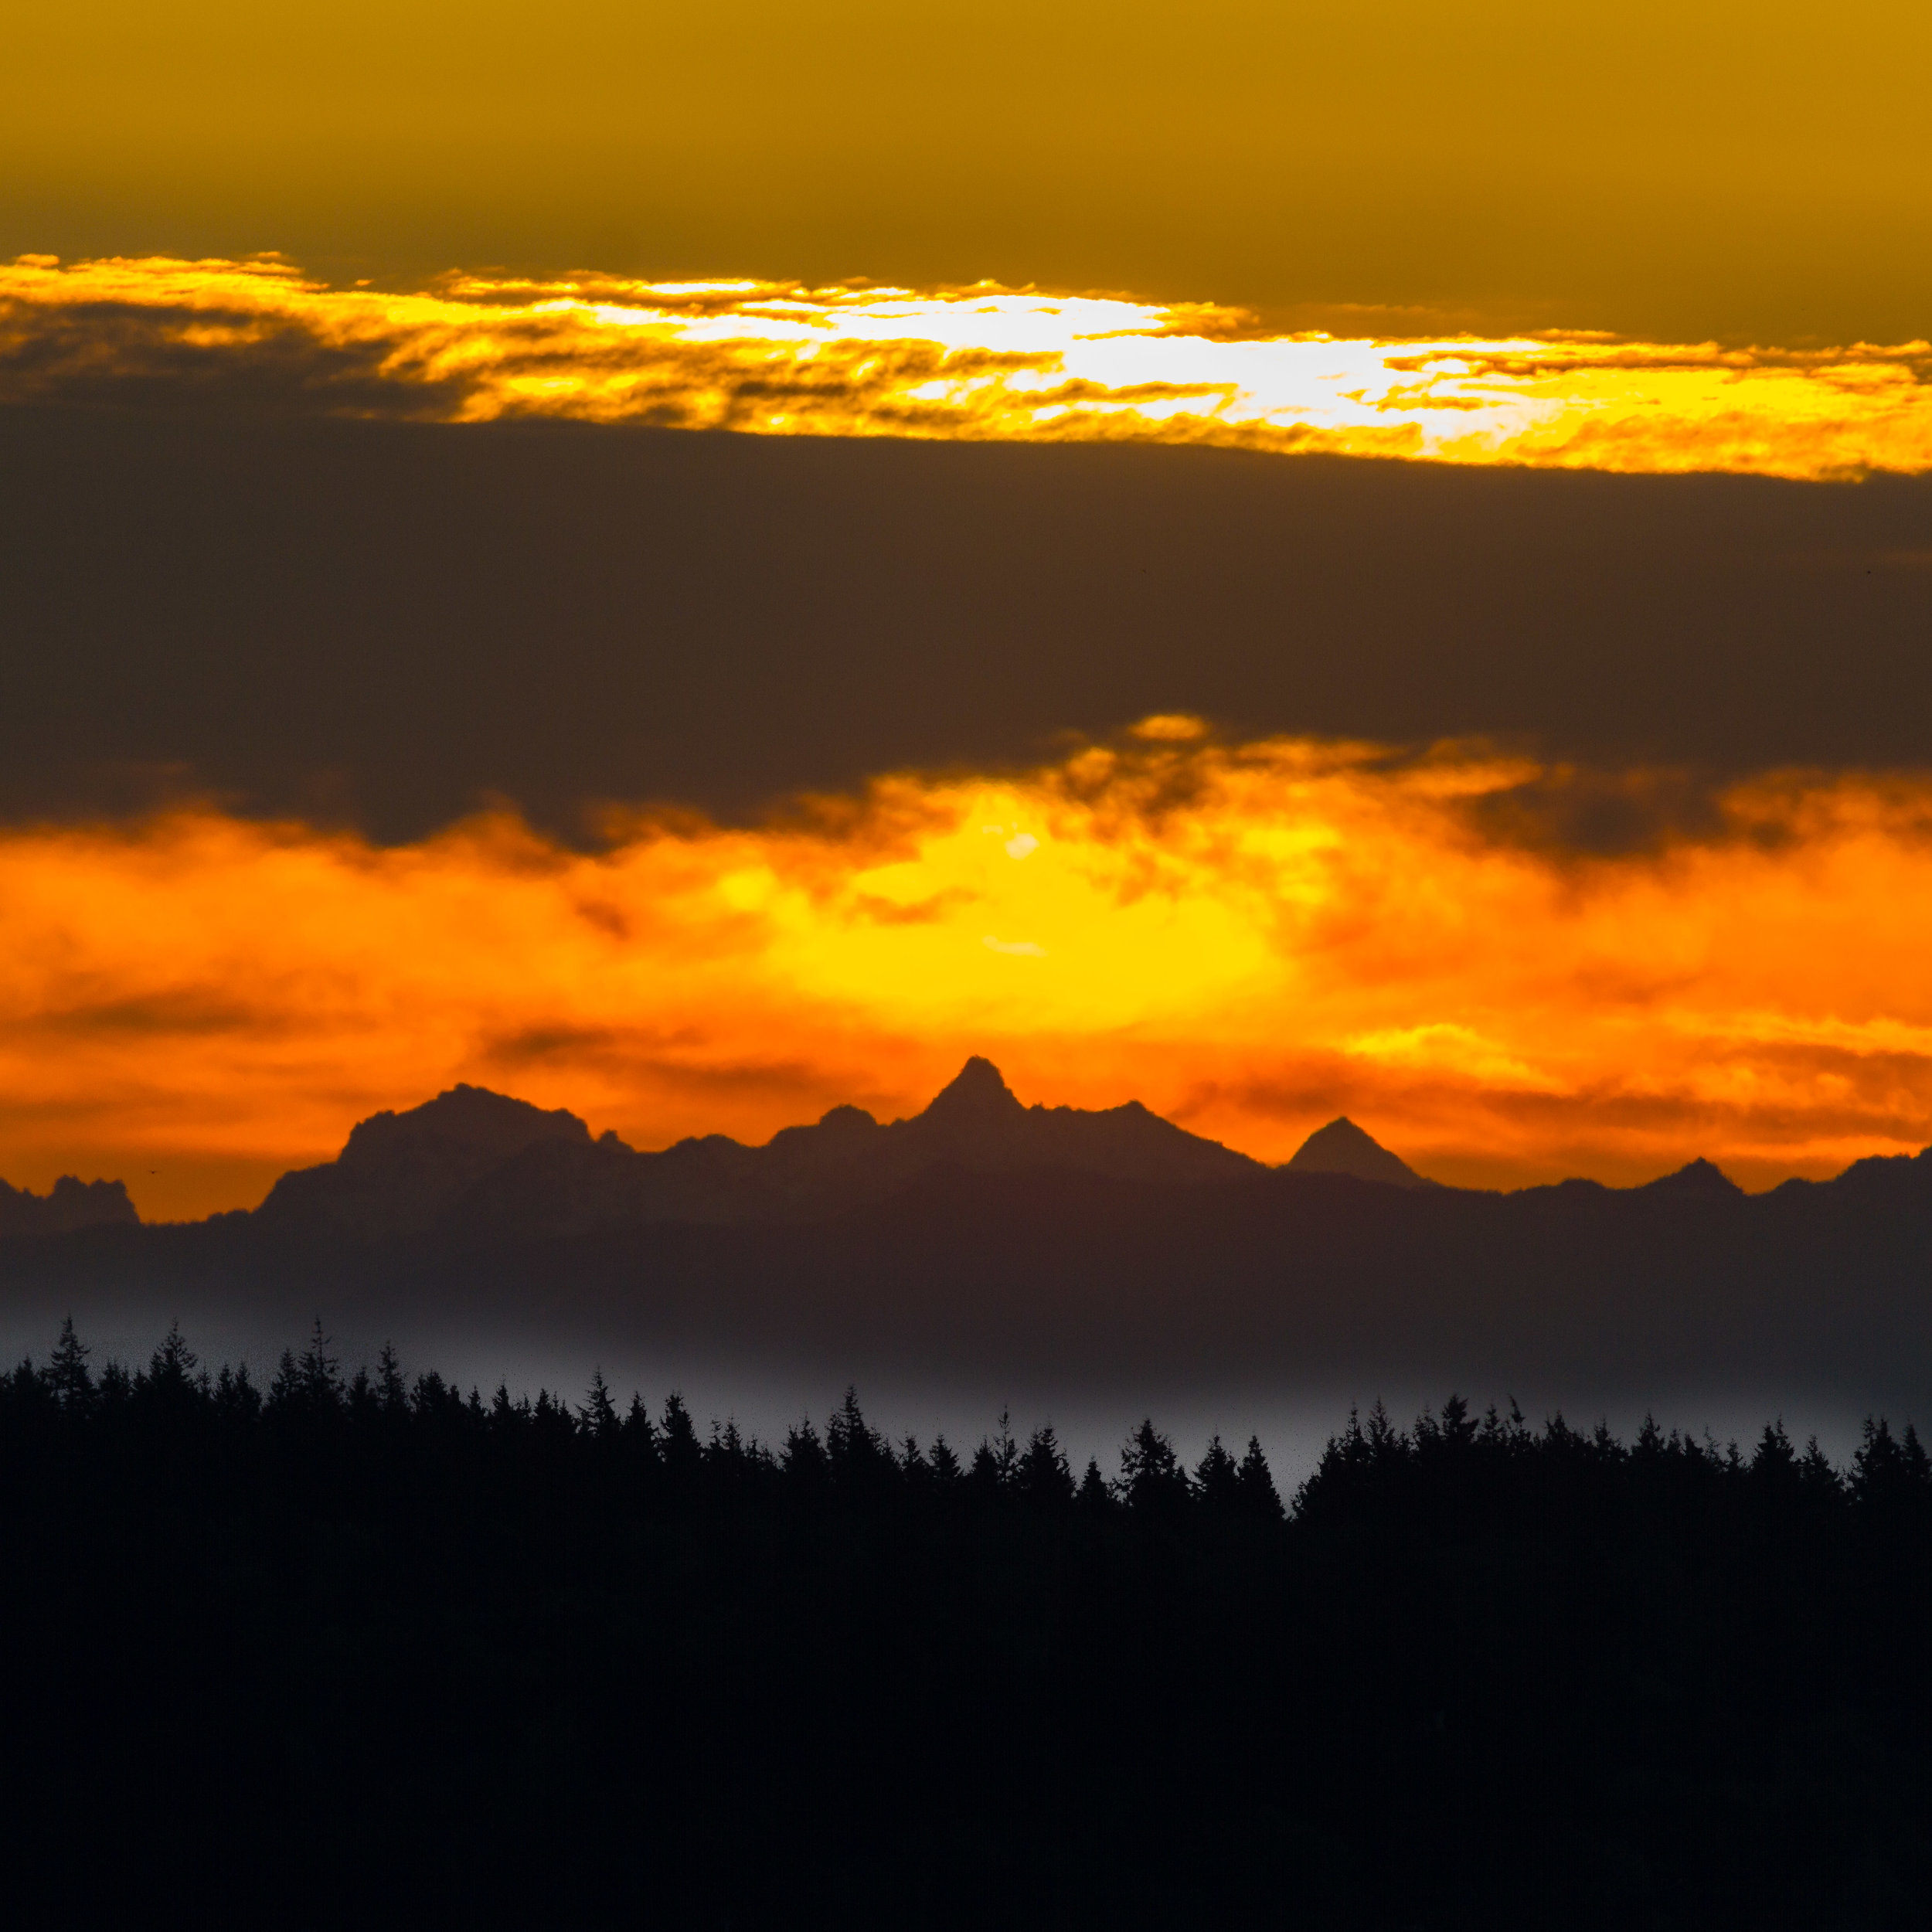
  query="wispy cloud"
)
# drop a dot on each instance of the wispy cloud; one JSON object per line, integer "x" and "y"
{"x": 974, "y": 363}
{"x": 1251, "y": 937}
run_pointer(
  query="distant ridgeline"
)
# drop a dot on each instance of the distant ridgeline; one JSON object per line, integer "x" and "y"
{"x": 1056, "y": 1245}
{"x": 373, "y": 1649}
{"x": 68, "y": 1204}
{"x": 475, "y": 1165}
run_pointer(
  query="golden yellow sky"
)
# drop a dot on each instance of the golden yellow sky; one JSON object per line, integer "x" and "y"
{"x": 1752, "y": 170}
{"x": 1659, "y": 239}
{"x": 973, "y": 363}
{"x": 1249, "y": 938}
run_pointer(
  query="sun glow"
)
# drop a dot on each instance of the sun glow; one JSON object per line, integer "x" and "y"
{"x": 972, "y": 362}
{"x": 1249, "y": 938}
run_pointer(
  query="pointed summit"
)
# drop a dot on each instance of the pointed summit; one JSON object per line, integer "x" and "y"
{"x": 977, "y": 1096}
{"x": 1341, "y": 1148}
{"x": 1697, "y": 1178}
{"x": 977, "y": 1123}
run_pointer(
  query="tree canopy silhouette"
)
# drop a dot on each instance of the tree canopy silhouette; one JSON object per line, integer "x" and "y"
{"x": 552, "y": 1646}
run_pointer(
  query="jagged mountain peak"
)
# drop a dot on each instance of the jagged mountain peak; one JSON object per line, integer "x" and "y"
{"x": 487, "y": 1166}
{"x": 1342, "y": 1147}
{"x": 69, "y": 1204}
{"x": 977, "y": 1094}
{"x": 1697, "y": 1177}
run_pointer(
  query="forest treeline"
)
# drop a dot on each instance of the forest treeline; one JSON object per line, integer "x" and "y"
{"x": 378, "y": 1644}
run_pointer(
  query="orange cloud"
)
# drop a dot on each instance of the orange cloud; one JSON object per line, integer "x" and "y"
{"x": 976, "y": 362}
{"x": 1249, "y": 938}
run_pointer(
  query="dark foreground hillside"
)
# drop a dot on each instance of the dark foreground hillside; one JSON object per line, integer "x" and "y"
{"x": 378, "y": 1649}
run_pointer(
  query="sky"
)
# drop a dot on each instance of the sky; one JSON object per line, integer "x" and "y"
{"x": 703, "y": 564}
{"x": 1746, "y": 171}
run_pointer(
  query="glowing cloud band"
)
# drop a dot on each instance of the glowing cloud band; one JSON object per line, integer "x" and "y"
{"x": 1250, "y": 938}
{"x": 977, "y": 363}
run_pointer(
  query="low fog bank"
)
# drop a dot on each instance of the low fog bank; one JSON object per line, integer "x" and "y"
{"x": 1268, "y": 1303}
{"x": 765, "y": 1397}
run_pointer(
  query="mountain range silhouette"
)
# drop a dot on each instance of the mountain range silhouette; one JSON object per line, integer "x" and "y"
{"x": 69, "y": 1204}
{"x": 1043, "y": 1246}
{"x": 494, "y": 1167}
{"x": 486, "y": 1165}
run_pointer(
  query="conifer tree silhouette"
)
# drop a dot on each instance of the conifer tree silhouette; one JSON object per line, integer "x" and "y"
{"x": 392, "y": 1391}
{"x": 172, "y": 1366}
{"x": 947, "y": 1474}
{"x": 600, "y": 1412}
{"x": 1258, "y": 1497}
{"x": 318, "y": 1374}
{"x": 1003, "y": 1449}
{"x": 1151, "y": 1480}
{"x": 1096, "y": 1497}
{"x": 67, "y": 1376}
{"x": 807, "y": 1471}
{"x": 1217, "y": 1480}
{"x": 338, "y": 1593}
{"x": 1815, "y": 1471}
{"x": 1041, "y": 1476}
{"x": 677, "y": 1446}
{"x": 859, "y": 1459}
{"x": 1774, "y": 1462}
{"x": 237, "y": 1401}
{"x": 641, "y": 1439}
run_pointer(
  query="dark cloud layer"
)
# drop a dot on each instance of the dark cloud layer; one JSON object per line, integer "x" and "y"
{"x": 386, "y": 624}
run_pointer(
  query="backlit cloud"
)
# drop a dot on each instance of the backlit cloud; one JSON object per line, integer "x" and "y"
{"x": 975, "y": 362}
{"x": 1249, "y": 938}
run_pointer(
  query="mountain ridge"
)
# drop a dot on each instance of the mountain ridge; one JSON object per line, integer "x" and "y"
{"x": 481, "y": 1164}
{"x": 477, "y": 1166}
{"x": 69, "y": 1205}
{"x": 1048, "y": 1277}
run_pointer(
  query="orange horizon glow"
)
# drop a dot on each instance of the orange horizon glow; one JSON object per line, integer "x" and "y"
{"x": 978, "y": 363}
{"x": 1250, "y": 938}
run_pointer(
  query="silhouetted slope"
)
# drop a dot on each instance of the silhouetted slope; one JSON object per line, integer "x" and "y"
{"x": 68, "y": 1204}
{"x": 1046, "y": 1246}
{"x": 1044, "y": 1277}
{"x": 481, "y": 1167}
{"x": 1081, "y": 1280}
{"x": 1696, "y": 1178}
{"x": 1342, "y": 1147}
{"x": 400, "y": 1171}
{"x": 977, "y": 1122}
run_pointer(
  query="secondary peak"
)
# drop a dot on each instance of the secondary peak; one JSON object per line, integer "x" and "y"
{"x": 1342, "y": 1147}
